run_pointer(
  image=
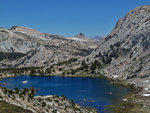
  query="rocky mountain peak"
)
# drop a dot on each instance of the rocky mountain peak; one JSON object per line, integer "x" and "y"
{"x": 133, "y": 19}
{"x": 126, "y": 50}
{"x": 81, "y": 36}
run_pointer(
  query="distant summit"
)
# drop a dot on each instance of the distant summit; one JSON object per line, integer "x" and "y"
{"x": 81, "y": 36}
{"x": 98, "y": 38}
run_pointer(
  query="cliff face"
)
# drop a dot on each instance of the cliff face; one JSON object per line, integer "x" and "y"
{"x": 126, "y": 50}
{"x": 26, "y": 47}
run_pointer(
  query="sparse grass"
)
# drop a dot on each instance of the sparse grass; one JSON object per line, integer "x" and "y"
{"x": 134, "y": 104}
{"x": 9, "y": 108}
{"x": 126, "y": 107}
{"x": 121, "y": 83}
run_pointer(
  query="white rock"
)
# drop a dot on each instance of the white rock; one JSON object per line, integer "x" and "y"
{"x": 124, "y": 99}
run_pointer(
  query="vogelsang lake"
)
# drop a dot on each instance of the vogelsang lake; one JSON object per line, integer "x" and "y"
{"x": 90, "y": 92}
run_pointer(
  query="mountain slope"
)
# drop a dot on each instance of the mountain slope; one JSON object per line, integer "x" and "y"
{"x": 26, "y": 47}
{"x": 126, "y": 50}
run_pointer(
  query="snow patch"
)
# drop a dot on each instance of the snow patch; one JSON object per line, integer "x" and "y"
{"x": 146, "y": 95}
{"x": 146, "y": 81}
{"x": 146, "y": 88}
{"x": 75, "y": 38}
{"x": 115, "y": 76}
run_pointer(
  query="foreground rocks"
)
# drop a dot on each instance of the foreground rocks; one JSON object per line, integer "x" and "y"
{"x": 41, "y": 104}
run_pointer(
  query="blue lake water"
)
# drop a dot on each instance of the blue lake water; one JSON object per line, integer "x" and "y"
{"x": 92, "y": 92}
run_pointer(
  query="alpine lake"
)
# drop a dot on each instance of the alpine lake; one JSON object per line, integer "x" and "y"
{"x": 86, "y": 91}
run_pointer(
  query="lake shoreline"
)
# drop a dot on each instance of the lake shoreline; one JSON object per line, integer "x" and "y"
{"x": 93, "y": 110}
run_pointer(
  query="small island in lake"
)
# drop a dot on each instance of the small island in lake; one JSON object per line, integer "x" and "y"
{"x": 25, "y": 82}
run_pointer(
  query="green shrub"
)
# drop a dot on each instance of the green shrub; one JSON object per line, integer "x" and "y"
{"x": 43, "y": 104}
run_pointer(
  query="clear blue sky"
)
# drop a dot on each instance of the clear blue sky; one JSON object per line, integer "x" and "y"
{"x": 66, "y": 17}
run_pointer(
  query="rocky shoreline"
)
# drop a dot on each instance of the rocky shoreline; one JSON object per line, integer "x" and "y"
{"x": 52, "y": 103}
{"x": 41, "y": 104}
